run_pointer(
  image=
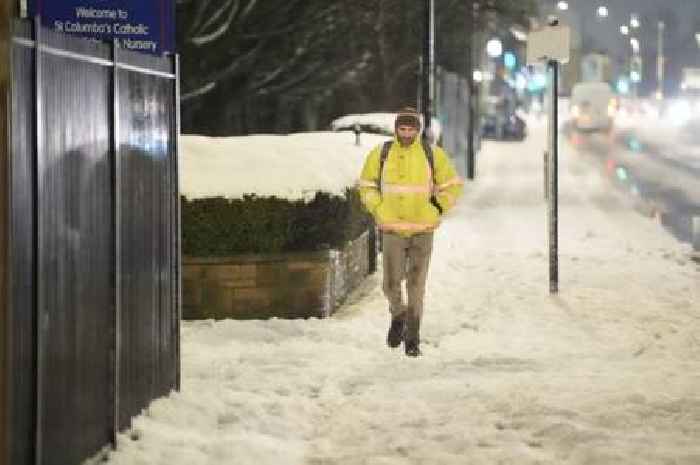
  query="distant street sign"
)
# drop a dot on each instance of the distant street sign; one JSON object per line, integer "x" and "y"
{"x": 144, "y": 25}
{"x": 550, "y": 43}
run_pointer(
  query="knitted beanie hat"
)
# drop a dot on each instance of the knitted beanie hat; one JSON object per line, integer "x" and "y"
{"x": 407, "y": 116}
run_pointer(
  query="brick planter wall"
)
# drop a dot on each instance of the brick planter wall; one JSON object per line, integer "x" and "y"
{"x": 290, "y": 285}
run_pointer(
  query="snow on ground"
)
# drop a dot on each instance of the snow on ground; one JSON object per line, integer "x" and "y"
{"x": 603, "y": 373}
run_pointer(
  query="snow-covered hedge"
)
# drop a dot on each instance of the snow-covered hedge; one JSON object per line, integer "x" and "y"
{"x": 271, "y": 194}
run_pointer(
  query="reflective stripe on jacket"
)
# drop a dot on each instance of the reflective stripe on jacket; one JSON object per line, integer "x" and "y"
{"x": 402, "y": 203}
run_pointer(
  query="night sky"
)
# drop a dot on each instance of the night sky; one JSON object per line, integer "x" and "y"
{"x": 682, "y": 18}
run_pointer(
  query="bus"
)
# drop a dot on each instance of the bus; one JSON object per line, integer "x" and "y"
{"x": 593, "y": 106}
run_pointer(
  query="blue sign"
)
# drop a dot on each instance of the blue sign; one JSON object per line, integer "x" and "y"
{"x": 142, "y": 25}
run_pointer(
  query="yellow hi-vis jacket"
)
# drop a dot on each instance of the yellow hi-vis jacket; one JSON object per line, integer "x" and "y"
{"x": 402, "y": 203}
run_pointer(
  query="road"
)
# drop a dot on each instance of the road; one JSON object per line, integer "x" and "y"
{"x": 661, "y": 175}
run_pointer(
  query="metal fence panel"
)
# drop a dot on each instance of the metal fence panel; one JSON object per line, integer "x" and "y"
{"x": 93, "y": 319}
{"x": 148, "y": 316}
{"x": 75, "y": 256}
{"x": 22, "y": 182}
{"x": 452, "y": 108}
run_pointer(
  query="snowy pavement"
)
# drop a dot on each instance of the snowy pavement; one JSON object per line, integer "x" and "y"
{"x": 604, "y": 373}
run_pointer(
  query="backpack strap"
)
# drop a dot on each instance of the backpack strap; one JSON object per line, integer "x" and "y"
{"x": 431, "y": 162}
{"x": 382, "y": 158}
{"x": 429, "y": 155}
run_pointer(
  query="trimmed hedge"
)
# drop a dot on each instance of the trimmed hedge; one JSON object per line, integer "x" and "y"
{"x": 215, "y": 227}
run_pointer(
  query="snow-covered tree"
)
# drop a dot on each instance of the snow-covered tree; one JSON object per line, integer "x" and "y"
{"x": 241, "y": 59}
{"x": 282, "y": 65}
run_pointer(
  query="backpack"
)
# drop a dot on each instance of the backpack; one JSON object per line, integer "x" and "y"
{"x": 428, "y": 154}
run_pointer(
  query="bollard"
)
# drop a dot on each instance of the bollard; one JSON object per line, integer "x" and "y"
{"x": 357, "y": 130}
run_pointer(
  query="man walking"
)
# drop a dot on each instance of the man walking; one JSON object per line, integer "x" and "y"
{"x": 407, "y": 185}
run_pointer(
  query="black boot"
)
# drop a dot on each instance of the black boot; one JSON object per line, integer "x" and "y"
{"x": 411, "y": 346}
{"x": 396, "y": 331}
{"x": 412, "y": 336}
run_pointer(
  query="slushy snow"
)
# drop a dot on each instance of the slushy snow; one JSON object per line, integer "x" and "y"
{"x": 605, "y": 372}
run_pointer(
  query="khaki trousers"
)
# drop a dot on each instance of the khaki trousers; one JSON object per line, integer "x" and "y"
{"x": 406, "y": 258}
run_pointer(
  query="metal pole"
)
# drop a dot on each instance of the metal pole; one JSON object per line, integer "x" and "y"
{"x": 419, "y": 79}
{"x": 660, "y": 62}
{"x": 116, "y": 192}
{"x": 39, "y": 273}
{"x": 553, "y": 197}
{"x": 545, "y": 156}
{"x": 637, "y": 67}
{"x": 178, "y": 224}
{"x": 428, "y": 67}
{"x": 471, "y": 123}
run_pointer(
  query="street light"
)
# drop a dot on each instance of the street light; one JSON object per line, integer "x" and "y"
{"x": 603, "y": 11}
{"x": 634, "y": 21}
{"x": 563, "y": 6}
{"x": 494, "y": 48}
{"x": 634, "y": 42}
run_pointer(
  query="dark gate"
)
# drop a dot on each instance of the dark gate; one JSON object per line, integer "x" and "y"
{"x": 452, "y": 109}
{"x": 89, "y": 309}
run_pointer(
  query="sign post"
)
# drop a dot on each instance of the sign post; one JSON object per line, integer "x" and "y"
{"x": 552, "y": 178}
{"x": 551, "y": 45}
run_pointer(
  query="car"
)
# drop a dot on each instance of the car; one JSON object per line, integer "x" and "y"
{"x": 501, "y": 122}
